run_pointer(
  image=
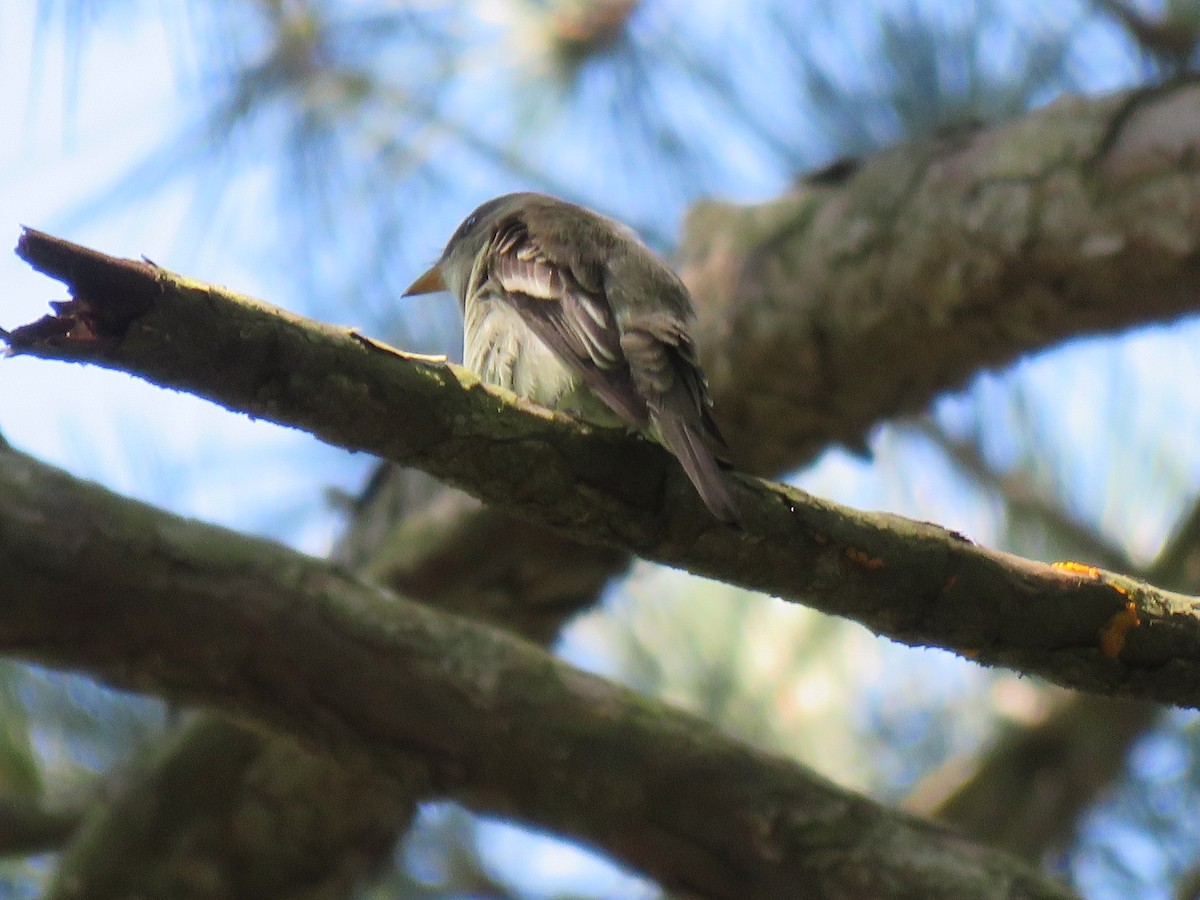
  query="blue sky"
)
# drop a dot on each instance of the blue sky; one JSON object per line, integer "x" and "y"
{"x": 79, "y": 131}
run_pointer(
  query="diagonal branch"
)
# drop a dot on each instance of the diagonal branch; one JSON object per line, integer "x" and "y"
{"x": 341, "y": 819}
{"x": 912, "y": 581}
{"x": 201, "y": 615}
{"x": 862, "y": 295}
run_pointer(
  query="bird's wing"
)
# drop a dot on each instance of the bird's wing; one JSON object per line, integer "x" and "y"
{"x": 644, "y": 366}
{"x": 576, "y": 323}
{"x": 665, "y": 372}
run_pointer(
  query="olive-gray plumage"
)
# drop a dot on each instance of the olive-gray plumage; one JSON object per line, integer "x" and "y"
{"x": 570, "y": 309}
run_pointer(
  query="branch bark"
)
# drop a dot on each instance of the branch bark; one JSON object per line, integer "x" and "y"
{"x": 863, "y": 295}
{"x": 177, "y": 826}
{"x": 911, "y": 581}
{"x": 201, "y": 615}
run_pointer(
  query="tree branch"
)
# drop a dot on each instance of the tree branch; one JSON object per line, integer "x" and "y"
{"x": 201, "y": 615}
{"x": 863, "y": 295}
{"x": 912, "y": 581}
{"x": 341, "y": 820}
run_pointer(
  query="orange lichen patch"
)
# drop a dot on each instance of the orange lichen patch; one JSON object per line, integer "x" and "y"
{"x": 968, "y": 652}
{"x": 865, "y": 560}
{"x": 1077, "y": 568}
{"x": 950, "y": 582}
{"x": 1112, "y": 634}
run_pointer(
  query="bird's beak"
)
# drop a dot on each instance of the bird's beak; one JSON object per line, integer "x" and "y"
{"x": 429, "y": 283}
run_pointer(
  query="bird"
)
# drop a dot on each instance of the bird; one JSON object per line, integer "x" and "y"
{"x": 570, "y": 309}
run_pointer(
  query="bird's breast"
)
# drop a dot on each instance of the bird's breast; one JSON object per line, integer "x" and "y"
{"x": 502, "y": 350}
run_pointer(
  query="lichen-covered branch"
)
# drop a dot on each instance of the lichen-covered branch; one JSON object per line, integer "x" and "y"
{"x": 865, "y": 292}
{"x": 912, "y": 581}
{"x": 200, "y": 615}
{"x": 181, "y": 815}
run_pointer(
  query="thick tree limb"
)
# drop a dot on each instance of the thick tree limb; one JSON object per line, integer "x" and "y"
{"x": 859, "y": 297}
{"x": 201, "y": 615}
{"x": 915, "y": 582}
{"x": 177, "y": 826}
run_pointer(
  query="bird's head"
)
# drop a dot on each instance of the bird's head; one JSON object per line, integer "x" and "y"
{"x": 452, "y": 271}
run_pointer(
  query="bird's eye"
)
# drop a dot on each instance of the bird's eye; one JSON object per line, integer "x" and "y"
{"x": 464, "y": 229}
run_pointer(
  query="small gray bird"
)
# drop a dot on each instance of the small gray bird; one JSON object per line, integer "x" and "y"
{"x": 570, "y": 309}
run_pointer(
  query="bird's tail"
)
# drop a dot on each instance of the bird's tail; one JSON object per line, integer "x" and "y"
{"x": 687, "y": 442}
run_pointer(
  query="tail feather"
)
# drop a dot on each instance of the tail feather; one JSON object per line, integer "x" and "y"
{"x": 687, "y": 443}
